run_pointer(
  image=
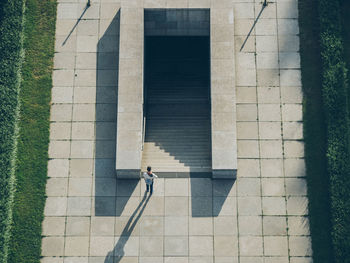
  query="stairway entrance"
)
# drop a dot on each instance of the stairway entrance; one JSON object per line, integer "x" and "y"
{"x": 177, "y": 138}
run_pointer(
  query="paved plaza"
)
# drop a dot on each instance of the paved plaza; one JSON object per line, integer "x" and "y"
{"x": 261, "y": 217}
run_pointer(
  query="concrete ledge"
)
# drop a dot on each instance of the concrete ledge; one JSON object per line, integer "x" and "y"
{"x": 225, "y": 174}
{"x": 223, "y": 97}
{"x": 130, "y": 93}
{"x": 128, "y": 173}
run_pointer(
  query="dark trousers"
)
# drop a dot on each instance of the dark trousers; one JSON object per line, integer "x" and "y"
{"x": 150, "y": 186}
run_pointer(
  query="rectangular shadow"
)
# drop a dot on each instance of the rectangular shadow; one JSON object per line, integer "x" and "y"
{"x": 107, "y": 187}
{"x": 209, "y": 195}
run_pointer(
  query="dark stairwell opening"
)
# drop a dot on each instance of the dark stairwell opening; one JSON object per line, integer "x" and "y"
{"x": 177, "y": 106}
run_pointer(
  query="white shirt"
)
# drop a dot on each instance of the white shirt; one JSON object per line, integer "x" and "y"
{"x": 149, "y": 179}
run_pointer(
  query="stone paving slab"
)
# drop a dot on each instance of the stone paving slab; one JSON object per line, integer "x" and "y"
{"x": 261, "y": 217}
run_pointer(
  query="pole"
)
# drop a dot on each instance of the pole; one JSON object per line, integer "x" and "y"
{"x": 264, "y": 4}
{"x": 88, "y": 3}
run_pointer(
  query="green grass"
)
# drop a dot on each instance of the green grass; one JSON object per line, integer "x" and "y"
{"x": 315, "y": 133}
{"x": 32, "y": 147}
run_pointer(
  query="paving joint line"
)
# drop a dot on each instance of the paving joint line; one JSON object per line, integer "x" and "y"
{"x": 282, "y": 136}
{"x": 70, "y": 153}
{"x": 259, "y": 148}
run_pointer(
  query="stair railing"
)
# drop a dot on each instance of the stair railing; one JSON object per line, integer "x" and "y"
{"x": 143, "y": 132}
{"x": 144, "y": 121}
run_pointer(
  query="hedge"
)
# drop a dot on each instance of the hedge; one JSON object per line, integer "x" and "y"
{"x": 315, "y": 137}
{"x": 345, "y": 11}
{"x": 11, "y": 30}
{"x": 334, "y": 87}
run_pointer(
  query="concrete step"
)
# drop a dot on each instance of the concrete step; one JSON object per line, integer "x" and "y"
{"x": 161, "y": 142}
{"x": 179, "y": 121}
{"x": 157, "y": 169}
{"x": 195, "y": 127}
{"x": 173, "y": 157}
{"x": 177, "y": 126}
{"x": 167, "y": 151}
{"x": 179, "y": 162}
{"x": 176, "y": 113}
{"x": 176, "y": 131}
{"x": 176, "y": 82}
{"x": 179, "y": 98}
{"x": 171, "y": 137}
{"x": 184, "y": 94}
{"x": 188, "y": 157}
{"x": 160, "y": 151}
{"x": 182, "y": 159}
{"x": 178, "y": 146}
{"x": 172, "y": 87}
{"x": 173, "y": 99}
{"x": 184, "y": 117}
{"x": 161, "y": 134}
{"x": 180, "y": 107}
{"x": 191, "y": 108}
{"x": 164, "y": 152}
{"x": 174, "y": 167}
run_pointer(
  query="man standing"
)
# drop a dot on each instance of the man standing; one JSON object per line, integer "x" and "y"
{"x": 149, "y": 178}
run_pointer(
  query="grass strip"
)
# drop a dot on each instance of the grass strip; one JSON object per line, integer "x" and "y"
{"x": 335, "y": 101}
{"x": 33, "y": 139}
{"x": 11, "y": 55}
{"x": 315, "y": 136}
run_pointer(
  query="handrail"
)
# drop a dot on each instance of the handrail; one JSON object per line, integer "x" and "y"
{"x": 143, "y": 132}
{"x": 144, "y": 119}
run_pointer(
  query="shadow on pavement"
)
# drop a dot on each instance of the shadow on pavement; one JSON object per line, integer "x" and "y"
{"x": 107, "y": 187}
{"x": 118, "y": 252}
{"x": 209, "y": 195}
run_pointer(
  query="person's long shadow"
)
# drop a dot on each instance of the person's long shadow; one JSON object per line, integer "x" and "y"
{"x": 118, "y": 252}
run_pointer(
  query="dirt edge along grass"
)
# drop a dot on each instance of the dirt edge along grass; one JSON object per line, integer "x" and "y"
{"x": 33, "y": 139}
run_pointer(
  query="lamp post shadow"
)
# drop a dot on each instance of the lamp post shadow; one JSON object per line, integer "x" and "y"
{"x": 76, "y": 24}
{"x": 118, "y": 253}
{"x": 264, "y": 5}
